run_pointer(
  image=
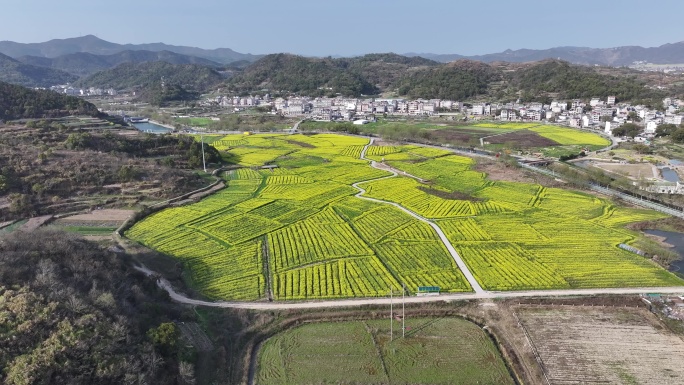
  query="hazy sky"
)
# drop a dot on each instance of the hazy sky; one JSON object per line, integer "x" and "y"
{"x": 349, "y": 27}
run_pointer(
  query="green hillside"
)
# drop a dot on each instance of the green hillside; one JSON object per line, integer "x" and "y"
{"x": 15, "y": 72}
{"x": 18, "y": 102}
{"x": 129, "y": 75}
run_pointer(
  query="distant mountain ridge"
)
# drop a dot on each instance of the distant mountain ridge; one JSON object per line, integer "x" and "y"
{"x": 671, "y": 53}
{"x": 94, "y": 45}
{"x": 27, "y": 75}
{"x": 616, "y": 57}
{"x": 84, "y": 64}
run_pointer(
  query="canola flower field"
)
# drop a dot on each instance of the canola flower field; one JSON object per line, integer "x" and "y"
{"x": 560, "y": 135}
{"x": 298, "y": 232}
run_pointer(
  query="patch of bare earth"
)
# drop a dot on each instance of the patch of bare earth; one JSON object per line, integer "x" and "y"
{"x": 457, "y": 135}
{"x": 113, "y": 215}
{"x": 34, "y": 223}
{"x": 634, "y": 171}
{"x": 499, "y": 170}
{"x": 301, "y": 144}
{"x": 611, "y": 345}
{"x": 449, "y": 195}
{"x": 524, "y": 138}
{"x": 383, "y": 142}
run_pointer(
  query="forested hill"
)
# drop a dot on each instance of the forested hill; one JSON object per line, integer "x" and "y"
{"x": 18, "y": 102}
{"x": 397, "y": 75}
{"x": 569, "y": 81}
{"x": 15, "y": 72}
{"x": 297, "y": 74}
{"x": 128, "y": 75}
{"x": 457, "y": 81}
{"x": 365, "y": 75}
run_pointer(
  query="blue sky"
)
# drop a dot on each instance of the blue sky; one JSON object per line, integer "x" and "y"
{"x": 350, "y": 27}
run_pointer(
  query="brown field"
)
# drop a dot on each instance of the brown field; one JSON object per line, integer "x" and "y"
{"x": 523, "y": 138}
{"x": 35, "y": 223}
{"x": 645, "y": 170}
{"x": 104, "y": 215}
{"x": 458, "y": 135}
{"x": 581, "y": 345}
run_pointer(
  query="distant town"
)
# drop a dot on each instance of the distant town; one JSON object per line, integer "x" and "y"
{"x": 598, "y": 114}
{"x": 604, "y": 115}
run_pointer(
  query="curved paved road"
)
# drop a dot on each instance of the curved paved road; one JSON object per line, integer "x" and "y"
{"x": 181, "y": 298}
{"x": 478, "y": 294}
{"x": 461, "y": 265}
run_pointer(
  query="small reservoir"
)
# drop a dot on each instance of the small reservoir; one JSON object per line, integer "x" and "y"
{"x": 669, "y": 174}
{"x": 152, "y": 128}
{"x": 675, "y": 239}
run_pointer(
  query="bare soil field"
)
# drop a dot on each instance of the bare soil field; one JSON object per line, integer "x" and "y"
{"x": 497, "y": 170}
{"x": 611, "y": 345}
{"x": 459, "y": 135}
{"x": 645, "y": 170}
{"x": 524, "y": 138}
{"x": 34, "y": 223}
{"x": 104, "y": 215}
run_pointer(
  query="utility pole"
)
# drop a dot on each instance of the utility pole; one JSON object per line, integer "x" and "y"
{"x": 391, "y": 315}
{"x": 403, "y": 312}
{"x": 204, "y": 163}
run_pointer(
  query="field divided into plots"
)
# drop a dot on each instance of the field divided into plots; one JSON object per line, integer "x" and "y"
{"x": 517, "y": 236}
{"x": 298, "y": 232}
{"x": 560, "y": 135}
{"x": 435, "y": 351}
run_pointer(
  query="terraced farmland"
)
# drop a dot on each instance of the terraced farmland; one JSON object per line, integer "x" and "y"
{"x": 298, "y": 232}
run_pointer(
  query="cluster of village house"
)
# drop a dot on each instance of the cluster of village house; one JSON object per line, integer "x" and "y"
{"x": 598, "y": 114}
{"x": 75, "y": 91}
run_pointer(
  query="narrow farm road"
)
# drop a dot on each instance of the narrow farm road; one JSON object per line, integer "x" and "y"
{"x": 342, "y": 303}
{"x": 478, "y": 293}
{"x": 461, "y": 265}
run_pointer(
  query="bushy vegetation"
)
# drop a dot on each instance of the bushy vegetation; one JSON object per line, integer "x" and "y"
{"x": 41, "y": 169}
{"x": 75, "y": 313}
